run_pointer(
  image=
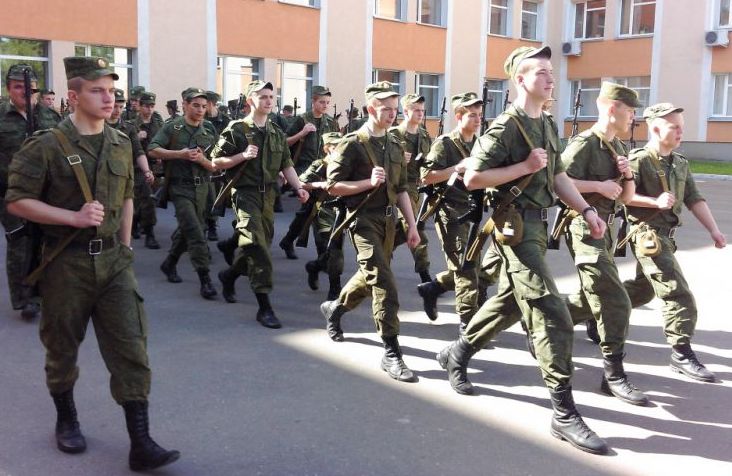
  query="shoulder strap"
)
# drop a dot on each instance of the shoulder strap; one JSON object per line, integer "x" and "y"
{"x": 657, "y": 165}
{"x": 75, "y": 163}
{"x": 606, "y": 143}
{"x": 517, "y": 189}
{"x": 460, "y": 148}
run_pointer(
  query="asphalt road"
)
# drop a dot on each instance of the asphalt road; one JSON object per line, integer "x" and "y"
{"x": 238, "y": 399}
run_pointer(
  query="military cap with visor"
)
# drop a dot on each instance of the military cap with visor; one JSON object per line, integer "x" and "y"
{"x": 380, "y": 90}
{"x": 136, "y": 92}
{"x": 256, "y": 86}
{"x": 119, "y": 95}
{"x": 212, "y": 96}
{"x": 172, "y": 104}
{"x": 320, "y": 91}
{"x": 16, "y": 72}
{"x": 618, "y": 92}
{"x": 147, "y": 98}
{"x": 660, "y": 110}
{"x": 465, "y": 100}
{"x": 90, "y": 68}
{"x": 411, "y": 98}
{"x": 521, "y": 53}
{"x": 192, "y": 93}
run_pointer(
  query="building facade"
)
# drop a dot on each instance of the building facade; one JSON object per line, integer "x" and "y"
{"x": 668, "y": 50}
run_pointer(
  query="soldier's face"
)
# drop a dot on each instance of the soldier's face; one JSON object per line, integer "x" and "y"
{"x": 117, "y": 110}
{"x": 669, "y": 129}
{"x": 470, "y": 120}
{"x": 384, "y": 111}
{"x": 48, "y": 100}
{"x": 95, "y": 99}
{"x": 146, "y": 110}
{"x": 16, "y": 92}
{"x": 537, "y": 78}
{"x": 415, "y": 113}
{"x": 321, "y": 104}
{"x": 622, "y": 116}
{"x": 262, "y": 101}
{"x": 195, "y": 109}
{"x": 135, "y": 104}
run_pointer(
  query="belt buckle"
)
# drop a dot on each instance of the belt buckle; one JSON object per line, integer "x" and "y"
{"x": 672, "y": 232}
{"x": 611, "y": 219}
{"x": 515, "y": 191}
{"x": 197, "y": 181}
{"x": 389, "y": 210}
{"x": 544, "y": 214}
{"x": 262, "y": 188}
{"x": 95, "y": 246}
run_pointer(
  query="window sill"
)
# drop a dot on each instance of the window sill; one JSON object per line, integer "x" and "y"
{"x": 397, "y": 20}
{"x": 600, "y": 38}
{"x": 719, "y": 119}
{"x": 285, "y": 2}
{"x": 531, "y": 39}
{"x": 630, "y": 37}
{"x": 499, "y": 36}
{"x": 432, "y": 25}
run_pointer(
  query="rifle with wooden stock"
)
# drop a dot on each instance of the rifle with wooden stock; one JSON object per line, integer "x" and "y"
{"x": 431, "y": 199}
{"x": 621, "y": 251}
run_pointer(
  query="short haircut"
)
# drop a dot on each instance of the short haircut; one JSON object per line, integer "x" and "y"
{"x": 75, "y": 84}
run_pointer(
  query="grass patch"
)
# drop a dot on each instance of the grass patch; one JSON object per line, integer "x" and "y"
{"x": 711, "y": 167}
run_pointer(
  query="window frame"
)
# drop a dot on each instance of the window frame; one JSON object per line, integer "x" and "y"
{"x": 584, "y": 21}
{"x": 402, "y": 11}
{"x": 402, "y": 77}
{"x": 719, "y": 6}
{"x": 311, "y": 3}
{"x": 443, "y": 14}
{"x": 309, "y": 83}
{"x": 43, "y": 82}
{"x": 439, "y": 88}
{"x": 633, "y": 5}
{"x": 507, "y": 12}
{"x": 497, "y": 95}
{"x": 725, "y": 99}
{"x": 573, "y": 85}
{"x": 224, "y": 59}
{"x": 539, "y": 14}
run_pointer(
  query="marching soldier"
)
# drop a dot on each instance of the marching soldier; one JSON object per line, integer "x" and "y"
{"x": 254, "y": 151}
{"x": 148, "y": 123}
{"x": 219, "y": 121}
{"x": 519, "y": 155}
{"x": 304, "y": 137}
{"x": 417, "y": 143}
{"x": 447, "y": 157}
{"x": 183, "y": 144}
{"x": 130, "y": 114}
{"x": 14, "y": 120}
{"x": 76, "y": 182}
{"x": 663, "y": 182}
{"x": 172, "y": 107}
{"x": 368, "y": 169}
{"x": 597, "y": 163}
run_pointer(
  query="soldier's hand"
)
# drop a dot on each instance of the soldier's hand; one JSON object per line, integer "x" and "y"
{"x": 536, "y": 160}
{"x": 623, "y": 164}
{"x": 142, "y": 134}
{"x": 378, "y": 176}
{"x": 309, "y": 127}
{"x": 610, "y": 189}
{"x": 250, "y": 152}
{"x": 665, "y": 201}
{"x": 149, "y": 177}
{"x": 302, "y": 195}
{"x": 190, "y": 154}
{"x": 91, "y": 214}
{"x": 407, "y": 156}
{"x": 460, "y": 167}
{"x": 413, "y": 238}
{"x": 596, "y": 224}
{"x": 720, "y": 241}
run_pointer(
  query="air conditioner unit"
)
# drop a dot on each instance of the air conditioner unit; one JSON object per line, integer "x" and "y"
{"x": 572, "y": 48}
{"x": 716, "y": 38}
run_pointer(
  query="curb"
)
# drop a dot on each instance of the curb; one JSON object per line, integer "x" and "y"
{"x": 712, "y": 177}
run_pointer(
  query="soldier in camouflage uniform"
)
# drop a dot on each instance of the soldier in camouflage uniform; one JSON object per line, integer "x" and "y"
{"x": 92, "y": 277}
{"x": 183, "y": 145}
{"x": 417, "y": 143}
{"x": 370, "y": 162}
{"x": 219, "y": 121}
{"x": 130, "y": 113}
{"x": 501, "y": 158}
{"x": 597, "y": 163}
{"x": 172, "y": 107}
{"x": 148, "y": 123}
{"x": 254, "y": 152}
{"x": 655, "y": 208}
{"x": 21, "y": 242}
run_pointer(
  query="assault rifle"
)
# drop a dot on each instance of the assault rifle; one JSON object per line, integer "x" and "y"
{"x": 350, "y": 117}
{"x": 30, "y": 126}
{"x": 620, "y": 251}
{"x": 430, "y": 198}
{"x": 310, "y": 210}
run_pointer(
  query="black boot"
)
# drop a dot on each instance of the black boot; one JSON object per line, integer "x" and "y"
{"x": 278, "y": 204}
{"x": 68, "y": 433}
{"x": 392, "y": 362}
{"x": 211, "y": 233}
{"x": 425, "y": 277}
{"x": 135, "y": 229}
{"x": 150, "y": 241}
{"x": 592, "y": 333}
{"x": 430, "y": 291}
{"x": 529, "y": 340}
{"x": 168, "y": 267}
{"x": 568, "y": 425}
{"x": 464, "y": 321}
{"x": 31, "y": 311}
{"x": 265, "y": 313}
{"x": 454, "y": 358}
{"x": 312, "y": 269}
{"x": 286, "y": 243}
{"x": 228, "y": 247}
{"x": 228, "y": 278}
{"x": 145, "y": 454}
{"x": 333, "y": 311}
{"x": 684, "y": 361}
{"x": 334, "y": 289}
{"x": 615, "y": 382}
{"x": 207, "y": 289}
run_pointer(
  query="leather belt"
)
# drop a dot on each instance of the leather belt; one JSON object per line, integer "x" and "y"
{"x": 541, "y": 214}
{"x": 195, "y": 181}
{"x": 92, "y": 247}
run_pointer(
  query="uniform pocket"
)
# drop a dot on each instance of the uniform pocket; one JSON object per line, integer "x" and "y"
{"x": 119, "y": 174}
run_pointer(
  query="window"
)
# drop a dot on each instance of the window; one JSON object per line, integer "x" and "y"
{"x": 530, "y": 20}
{"x": 637, "y": 17}
{"x": 430, "y": 86}
{"x": 588, "y": 97}
{"x": 394, "y": 9}
{"x": 431, "y": 12}
{"x": 119, "y": 58}
{"x": 294, "y": 80}
{"x": 722, "y": 105}
{"x": 498, "y": 18}
{"x": 304, "y": 3}
{"x": 497, "y": 93}
{"x": 33, "y": 53}
{"x": 589, "y": 19}
{"x": 233, "y": 74}
{"x": 396, "y": 78}
{"x": 724, "y": 17}
{"x": 641, "y": 85}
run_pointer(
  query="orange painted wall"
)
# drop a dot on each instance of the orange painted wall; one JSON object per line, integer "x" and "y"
{"x": 408, "y": 46}
{"x": 267, "y": 29}
{"x": 623, "y": 58}
{"x": 719, "y": 132}
{"x": 722, "y": 60}
{"x": 641, "y": 130}
{"x": 60, "y": 20}
{"x": 497, "y": 52}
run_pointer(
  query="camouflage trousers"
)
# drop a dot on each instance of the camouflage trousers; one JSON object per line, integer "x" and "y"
{"x": 189, "y": 202}
{"x": 488, "y": 274}
{"x": 19, "y": 258}
{"x": 420, "y": 254}
{"x": 330, "y": 261}
{"x": 144, "y": 203}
